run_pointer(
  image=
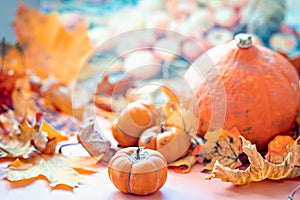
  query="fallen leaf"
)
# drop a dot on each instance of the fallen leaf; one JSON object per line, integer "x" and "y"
{"x": 103, "y": 103}
{"x": 176, "y": 115}
{"x": 106, "y": 88}
{"x": 58, "y": 169}
{"x": 183, "y": 165}
{"x": 52, "y": 132}
{"x": 22, "y": 98}
{"x": 59, "y": 98}
{"x": 223, "y": 146}
{"x": 95, "y": 143}
{"x": 49, "y": 48}
{"x": 9, "y": 73}
{"x": 259, "y": 168}
{"x": 27, "y": 137}
{"x": 18, "y": 142}
{"x": 7, "y": 85}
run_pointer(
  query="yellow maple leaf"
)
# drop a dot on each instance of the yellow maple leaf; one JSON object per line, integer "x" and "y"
{"x": 49, "y": 48}
{"x": 58, "y": 169}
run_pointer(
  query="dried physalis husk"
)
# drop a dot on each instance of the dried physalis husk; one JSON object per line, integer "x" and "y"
{"x": 259, "y": 168}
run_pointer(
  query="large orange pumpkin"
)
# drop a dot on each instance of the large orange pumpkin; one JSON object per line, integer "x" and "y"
{"x": 261, "y": 90}
{"x": 138, "y": 171}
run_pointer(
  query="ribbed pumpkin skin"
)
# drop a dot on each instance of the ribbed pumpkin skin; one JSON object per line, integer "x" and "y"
{"x": 261, "y": 87}
{"x": 141, "y": 178}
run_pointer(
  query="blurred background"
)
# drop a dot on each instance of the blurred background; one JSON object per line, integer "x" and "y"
{"x": 274, "y": 23}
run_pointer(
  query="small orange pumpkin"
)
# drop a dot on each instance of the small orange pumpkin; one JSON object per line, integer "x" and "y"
{"x": 131, "y": 122}
{"x": 172, "y": 142}
{"x": 138, "y": 171}
{"x": 278, "y": 148}
{"x": 261, "y": 90}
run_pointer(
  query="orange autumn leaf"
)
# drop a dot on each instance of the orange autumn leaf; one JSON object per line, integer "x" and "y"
{"x": 106, "y": 88}
{"x": 11, "y": 69}
{"x": 183, "y": 165}
{"x": 7, "y": 85}
{"x": 52, "y": 132}
{"x": 24, "y": 139}
{"x": 23, "y": 101}
{"x": 58, "y": 169}
{"x": 49, "y": 48}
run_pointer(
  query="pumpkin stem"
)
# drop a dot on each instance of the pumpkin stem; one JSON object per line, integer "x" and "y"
{"x": 162, "y": 127}
{"x": 243, "y": 40}
{"x": 138, "y": 153}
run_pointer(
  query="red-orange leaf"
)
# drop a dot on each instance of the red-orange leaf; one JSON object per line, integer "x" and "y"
{"x": 49, "y": 48}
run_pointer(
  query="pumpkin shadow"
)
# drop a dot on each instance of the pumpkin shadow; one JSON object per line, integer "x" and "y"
{"x": 117, "y": 195}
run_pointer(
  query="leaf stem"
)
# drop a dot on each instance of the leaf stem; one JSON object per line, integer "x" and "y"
{"x": 65, "y": 145}
{"x": 291, "y": 197}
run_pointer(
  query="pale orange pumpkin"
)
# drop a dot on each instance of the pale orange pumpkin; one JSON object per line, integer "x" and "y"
{"x": 278, "y": 148}
{"x": 172, "y": 142}
{"x": 138, "y": 171}
{"x": 261, "y": 90}
{"x": 131, "y": 122}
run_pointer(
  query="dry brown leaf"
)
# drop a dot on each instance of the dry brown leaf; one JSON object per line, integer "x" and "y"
{"x": 223, "y": 146}
{"x": 49, "y": 48}
{"x": 57, "y": 169}
{"x": 25, "y": 138}
{"x": 22, "y": 99}
{"x": 95, "y": 143}
{"x": 17, "y": 143}
{"x": 259, "y": 168}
